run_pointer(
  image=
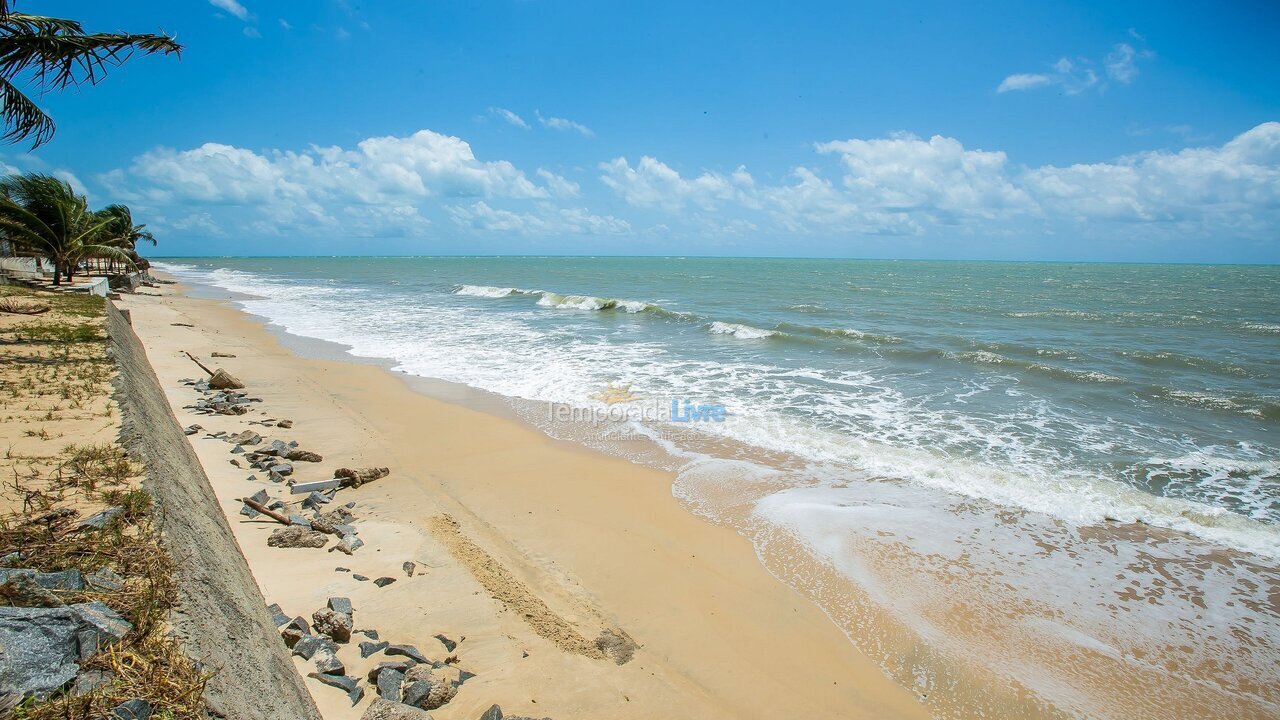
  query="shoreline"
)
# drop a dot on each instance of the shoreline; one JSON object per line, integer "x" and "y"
{"x": 718, "y": 634}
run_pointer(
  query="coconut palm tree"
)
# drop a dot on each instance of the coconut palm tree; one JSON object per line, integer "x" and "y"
{"x": 53, "y": 54}
{"x": 126, "y": 234}
{"x": 42, "y": 216}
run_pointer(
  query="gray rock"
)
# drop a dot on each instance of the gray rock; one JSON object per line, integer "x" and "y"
{"x": 408, "y": 651}
{"x": 100, "y": 627}
{"x": 316, "y": 485}
{"x": 384, "y": 581}
{"x": 308, "y": 645}
{"x": 100, "y": 520}
{"x": 20, "y": 589}
{"x": 400, "y": 666}
{"x": 358, "y": 577}
{"x": 261, "y": 497}
{"x": 192, "y": 429}
{"x": 301, "y": 521}
{"x": 296, "y": 536}
{"x": 89, "y": 680}
{"x": 237, "y": 450}
{"x": 448, "y": 644}
{"x": 428, "y": 688}
{"x": 409, "y": 567}
{"x": 369, "y": 648}
{"x": 342, "y": 682}
{"x": 389, "y": 684}
{"x": 277, "y": 614}
{"x": 348, "y": 544}
{"x": 383, "y": 709}
{"x": 416, "y": 694}
{"x": 327, "y": 662}
{"x": 135, "y": 709}
{"x": 341, "y": 605}
{"x": 335, "y": 625}
{"x": 315, "y": 500}
{"x": 286, "y": 424}
{"x": 62, "y": 580}
{"x": 295, "y": 631}
{"x": 371, "y": 634}
{"x": 282, "y": 469}
{"x": 247, "y": 437}
{"x": 105, "y": 579}
{"x": 40, "y": 649}
{"x": 493, "y": 713}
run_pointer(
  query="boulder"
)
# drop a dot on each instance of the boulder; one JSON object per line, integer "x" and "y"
{"x": 335, "y": 625}
{"x": 342, "y": 682}
{"x": 40, "y": 649}
{"x": 383, "y": 709}
{"x": 100, "y": 627}
{"x": 328, "y": 663}
{"x": 307, "y": 646}
{"x": 341, "y": 605}
{"x": 389, "y": 684}
{"x": 354, "y": 478}
{"x": 295, "y": 631}
{"x": 427, "y": 687}
{"x": 223, "y": 380}
{"x": 400, "y": 666}
{"x": 493, "y": 713}
{"x": 247, "y": 437}
{"x": 295, "y": 536}
{"x": 277, "y": 614}
{"x": 408, "y": 651}
{"x": 22, "y": 590}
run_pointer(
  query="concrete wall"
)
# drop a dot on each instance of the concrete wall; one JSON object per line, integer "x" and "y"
{"x": 223, "y": 618}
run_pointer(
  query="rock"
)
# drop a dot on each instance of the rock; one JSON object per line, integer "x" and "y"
{"x": 384, "y": 581}
{"x": 61, "y": 580}
{"x": 192, "y": 429}
{"x": 400, "y": 666}
{"x": 303, "y": 456}
{"x": 428, "y": 688}
{"x": 100, "y": 627}
{"x": 223, "y": 380}
{"x": 315, "y": 500}
{"x": 89, "y": 680}
{"x": 409, "y": 567}
{"x": 105, "y": 579}
{"x": 22, "y": 590}
{"x": 237, "y": 450}
{"x": 389, "y": 684}
{"x": 247, "y": 437}
{"x": 277, "y": 614}
{"x": 309, "y": 645}
{"x": 295, "y": 631}
{"x": 449, "y": 645}
{"x": 315, "y": 485}
{"x": 358, "y": 577}
{"x": 493, "y": 713}
{"x": 342, "y": 682}
{"x": 286, "y": 424}
{"x": 281, "y": 469}
{"x": 383, "y": 709}
{"x": 341, "y": 605}
{"x": 261, "y": 497}
{"x": 408, "y": 651}
{"x": 342, "y": 569}
{"x": 348, "y": 544}
{"x": 100, "y": 520}
{"x": 335, "y": 625}
{"x": 41, "y": 646}
{"x": 370, "y": 648}
{"x": 295, "y": 536}
{"x": 135, "y": 709}
{"x": 327, "y": 662}
{"x": 357, "y": 477}
{"x": 216, "y": 353}
{"x": 371, "y": 634}
{"x": 301, "y": 521}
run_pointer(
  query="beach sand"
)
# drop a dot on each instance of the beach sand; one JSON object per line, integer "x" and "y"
{"x": 572, "y": 542}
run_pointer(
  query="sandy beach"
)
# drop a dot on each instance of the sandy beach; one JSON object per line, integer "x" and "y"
{"x": 584, "y": 543}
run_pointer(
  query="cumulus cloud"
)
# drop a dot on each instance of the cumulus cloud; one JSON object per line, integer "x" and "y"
{"x": 509, "y": 117}
{"x": 653, "y": 183}
{"x": 231, "y": 6}
{"x": 1024, "y": 81}
{"x": 557, "y": 123}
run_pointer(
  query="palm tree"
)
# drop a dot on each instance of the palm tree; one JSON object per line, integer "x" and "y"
{"x": 42, "y": 216}
{"x": 54, "y": 54}
{"x": 126, "y": 235}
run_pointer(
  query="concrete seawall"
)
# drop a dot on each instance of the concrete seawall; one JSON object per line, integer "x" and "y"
{"x": 222, "y": 617}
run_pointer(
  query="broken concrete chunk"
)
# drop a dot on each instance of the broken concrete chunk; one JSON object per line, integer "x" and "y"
{"x": 223, "y": 380}
{"x": 296, "y": 536}
{"x": 354, "y": 478}
{"x": 314, "y": 486}
{"x": 281, "y": 469}
{"x": 335, "y": 625}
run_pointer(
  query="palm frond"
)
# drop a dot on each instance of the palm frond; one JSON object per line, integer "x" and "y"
{"x": 22, "y": 118}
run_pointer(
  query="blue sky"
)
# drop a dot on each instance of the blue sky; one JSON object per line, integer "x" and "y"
{"x": 1114, "y": 131}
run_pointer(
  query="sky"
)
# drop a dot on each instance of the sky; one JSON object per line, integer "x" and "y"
{"x": 994, "y": 130}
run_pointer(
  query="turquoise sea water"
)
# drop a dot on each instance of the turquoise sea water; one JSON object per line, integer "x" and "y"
{"x": 925, "y": 401}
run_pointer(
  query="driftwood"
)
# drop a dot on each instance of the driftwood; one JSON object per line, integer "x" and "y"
{"x": 269, "y": 513}
{"x": 202, "y": 365}
{"x": 21, "y": 307}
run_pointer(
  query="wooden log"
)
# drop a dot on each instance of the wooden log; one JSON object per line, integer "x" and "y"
{"x": 269, "y": 513}
{"x": 202, "y": 365}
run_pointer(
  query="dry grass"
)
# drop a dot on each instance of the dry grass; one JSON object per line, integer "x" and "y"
{"x": 55, "y": 378}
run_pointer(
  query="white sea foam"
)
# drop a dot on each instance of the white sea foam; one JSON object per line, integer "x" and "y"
{"x": 745, "y": 332}
{"x": 486, "y": 291}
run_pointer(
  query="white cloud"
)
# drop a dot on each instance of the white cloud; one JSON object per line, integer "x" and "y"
{"x": 1024, "y": 81}
{"x": 556, "y": 123}
{"x": 284, "y": 25}
{"x": 653, "y": 183}
{"x": 509, "y": 117}
{"x": 1078, "y": 75}
{"x": 231, "y": 6}
{"x": 252, "y": 32}
{"x": 547, "y": 220}
{"x": 559, "y": 186}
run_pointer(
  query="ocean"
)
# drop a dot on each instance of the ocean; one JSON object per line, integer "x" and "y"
{"x": 1037, "y": 485}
